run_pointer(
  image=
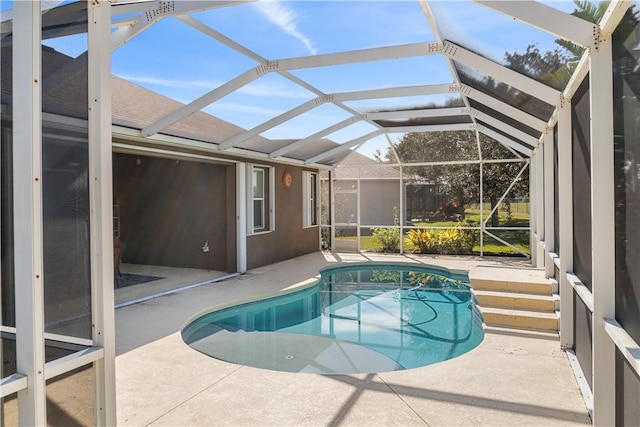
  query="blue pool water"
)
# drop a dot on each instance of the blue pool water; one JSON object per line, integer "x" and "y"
{"x": 356, "y": 319}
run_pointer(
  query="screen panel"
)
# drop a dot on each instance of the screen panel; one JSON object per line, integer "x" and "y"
{"x": 583, "y": 336}
{"x": 65, "y": 172}
{"x": 556, "y": 214}
{"x": 581, "y": 182}
{"x": 502, "y": 91}
{"x": 627, "y": 392}
{"x": 626, "y": 92}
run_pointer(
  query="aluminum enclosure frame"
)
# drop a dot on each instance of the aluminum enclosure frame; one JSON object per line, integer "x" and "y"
{"x": 607, "y": 333}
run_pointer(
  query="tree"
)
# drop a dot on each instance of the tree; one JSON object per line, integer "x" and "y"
{"x": 553, "y": 68}
{"x": 460, "y": 182}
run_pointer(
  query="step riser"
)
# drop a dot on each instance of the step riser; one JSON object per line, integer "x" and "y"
{"x": 516, "y": 303}
{"x": 520, "y": 322}
{"x": 521, "y": 288}
{"x": 515, "y": 298}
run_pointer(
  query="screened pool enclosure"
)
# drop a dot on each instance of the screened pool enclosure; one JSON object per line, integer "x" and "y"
{"x": 229, "y": 135}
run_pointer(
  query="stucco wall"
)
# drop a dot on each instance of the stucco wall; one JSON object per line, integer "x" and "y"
{"x": 289, "y": 239}
{"x": 169, "y": 208}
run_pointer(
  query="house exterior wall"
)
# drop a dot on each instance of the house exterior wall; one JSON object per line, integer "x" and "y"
{"x": 377, "y": 200}
{"x": 169, "y": 209}
{"x": 289, "y": 239}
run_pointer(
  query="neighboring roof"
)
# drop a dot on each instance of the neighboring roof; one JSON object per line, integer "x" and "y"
{"x": 357, "y": 165}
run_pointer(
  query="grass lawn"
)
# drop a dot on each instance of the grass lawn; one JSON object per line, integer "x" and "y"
{"x": 518, "y": 238}
{"x": 473, "y": 216}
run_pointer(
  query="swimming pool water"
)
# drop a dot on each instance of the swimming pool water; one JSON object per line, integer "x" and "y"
{"x": 356, "y": 319}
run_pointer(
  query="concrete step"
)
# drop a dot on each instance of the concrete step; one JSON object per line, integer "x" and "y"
{"x": 519, "y": 319}
{"x": 512, "y": 280}
{"x": 515, "y": 300}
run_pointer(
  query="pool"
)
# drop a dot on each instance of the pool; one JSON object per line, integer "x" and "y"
{"x": 362, "y": 318}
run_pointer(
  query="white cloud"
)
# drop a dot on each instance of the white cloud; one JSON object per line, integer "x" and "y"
{"x": 285, "y": 18}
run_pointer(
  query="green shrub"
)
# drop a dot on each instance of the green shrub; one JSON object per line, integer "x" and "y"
{"x": 449, "y": 242}
{"x": 389, "y": 238}
{"x": 421, "y": 242}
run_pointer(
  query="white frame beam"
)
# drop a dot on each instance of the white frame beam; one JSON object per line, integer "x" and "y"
{"x": 533, "y": 208}
{"x": 152, "y": 13}
{"x": 318, "y": 135}
{"x": 101, "y": 212}
{"x": 514, "y": 79}
{"x": 547, "y": 19}
{"x": 241, "y": 217}
{"x": 198, "y": 104}
{"x": 210, "y": 32}
{"x": 506, "y": 109}
{"x": 452, "y": 51}
{"x": 497, "y": 105}
{"x": 505, "y": 141}
{"x": 393, "y": 92}
{"x": 514, "y": 132}
{"x": 341, "y": 58}
{"x": 432, "y": 128}
{"x": 549, "y": 237}
{"x": 344, "y": 146}
{"x": 603, "y": 232}
{"x": 538, "y": 158}
{"x": 428, "y": 13}
{"x": 565, "y": 222}
{"x": 27, "y": 207}
{"x": 269, "y": 124}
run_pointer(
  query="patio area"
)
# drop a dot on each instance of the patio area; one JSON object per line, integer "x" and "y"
{"x": 511, "y": 378}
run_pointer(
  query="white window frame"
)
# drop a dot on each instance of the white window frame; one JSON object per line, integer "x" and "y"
{"x": 268, "y": 199}
{"x": 310, "y": 199}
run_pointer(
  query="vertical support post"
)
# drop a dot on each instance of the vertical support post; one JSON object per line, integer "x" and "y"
{"x": 540, "y": 206}
{"x": 27, "y": 182}
{"x": 481, "y": 210}
{"x": 241, "y": 217}
{"x": 533, "y": 218}
{"x": 272, "y": 199}
{"x": 549, "y": 244}
{"x": 358, "y": 212}
{"x": 402, "y": 214}
{"x": 565, "y": 222}
{"x": 101, "y": 203}
{"x": 603, "y": 231}
{"x": 332, "y": 212}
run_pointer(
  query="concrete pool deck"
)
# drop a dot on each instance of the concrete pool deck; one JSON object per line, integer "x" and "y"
{"x": 511, "y": 378}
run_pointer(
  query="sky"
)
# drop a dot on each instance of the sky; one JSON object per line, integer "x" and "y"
{"x": 178, "y": 61}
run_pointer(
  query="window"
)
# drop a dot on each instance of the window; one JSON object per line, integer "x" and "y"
{"x": 260, "y": 213}
{"x": 310, "y": 199}
{"x": 258, "y": 198}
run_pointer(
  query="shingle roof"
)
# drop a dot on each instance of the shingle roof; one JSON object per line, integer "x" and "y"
{"x": 356, "y": 164}
{"x": 136, "y": 107}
